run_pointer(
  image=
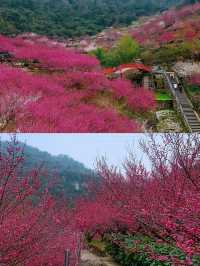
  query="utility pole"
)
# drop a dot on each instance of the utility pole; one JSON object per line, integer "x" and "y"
{"x": 78, "y": 252}
{"x": 67, "y": 258}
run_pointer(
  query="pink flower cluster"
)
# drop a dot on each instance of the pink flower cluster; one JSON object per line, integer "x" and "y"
{"x": 195, "y": 80}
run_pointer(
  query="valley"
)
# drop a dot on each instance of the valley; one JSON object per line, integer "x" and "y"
{"x": 101, "y": 75}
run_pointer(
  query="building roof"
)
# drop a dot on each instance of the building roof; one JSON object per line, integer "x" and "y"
{"x": 125, "y": 67}
{"x": 135, "y": 66}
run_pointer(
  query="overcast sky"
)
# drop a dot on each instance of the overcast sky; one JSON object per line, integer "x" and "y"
{"x": 85, "y": 147}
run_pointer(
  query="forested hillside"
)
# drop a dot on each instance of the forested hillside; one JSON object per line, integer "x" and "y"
{"x": 74, "y": 17}
{"x": 69, "y": 175}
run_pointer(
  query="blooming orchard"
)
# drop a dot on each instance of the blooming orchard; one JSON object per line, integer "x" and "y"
{"x": 171, "y": 26}
{"x": 57, "y": 89}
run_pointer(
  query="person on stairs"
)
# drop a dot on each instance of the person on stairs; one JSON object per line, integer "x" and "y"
{"x": 180, "y": 87}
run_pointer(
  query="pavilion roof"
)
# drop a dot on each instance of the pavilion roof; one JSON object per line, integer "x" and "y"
{"x": 125, "y": 67}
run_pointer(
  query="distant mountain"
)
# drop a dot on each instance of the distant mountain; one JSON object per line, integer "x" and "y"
{"x": 71, "y": 176}
{"x": 67, "y": 18}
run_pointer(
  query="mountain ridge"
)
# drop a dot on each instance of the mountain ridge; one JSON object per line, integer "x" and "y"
{"x": 71, "y": 175}
{"x": 68, "y": 18}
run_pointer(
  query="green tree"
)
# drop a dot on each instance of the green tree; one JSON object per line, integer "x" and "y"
{"x": 100, "y": 54}
{"x": 127, "y": 49}
{"x": 124, "y": 52}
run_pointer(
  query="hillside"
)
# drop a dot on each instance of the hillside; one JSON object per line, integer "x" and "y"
{"x": 167, "y": 37}
{"x": 36, "y": 73}
{"x": 70, "y": 175}
{"x": 67, "y": 18}
{"x": 172, "y": 36}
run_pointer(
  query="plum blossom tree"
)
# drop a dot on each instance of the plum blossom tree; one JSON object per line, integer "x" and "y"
{"x": 167, "y": 37}
{"x": 34, "y": 228}
{"x": 169, "y": 18}
{"x": 138, "y": 99}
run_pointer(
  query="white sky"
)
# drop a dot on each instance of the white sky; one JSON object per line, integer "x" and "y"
{"x": 86, "y": 148}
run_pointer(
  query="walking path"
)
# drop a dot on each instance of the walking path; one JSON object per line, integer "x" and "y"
{"x": 90, "y": 259}
{"x": 185, "y": 106}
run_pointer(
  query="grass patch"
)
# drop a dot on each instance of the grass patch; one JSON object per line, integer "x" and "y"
{"x": 163, "y": 96}
{"x": 99, "y": 245}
